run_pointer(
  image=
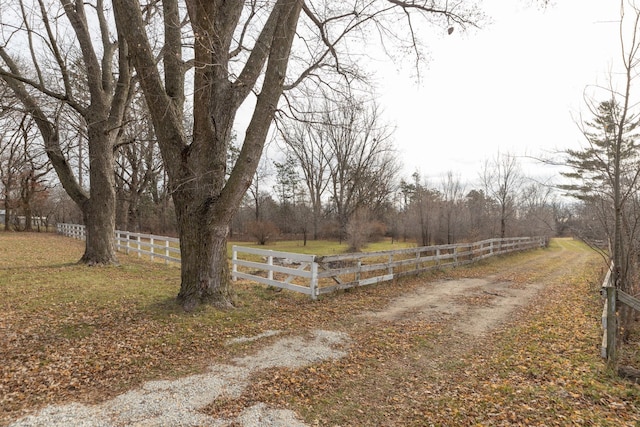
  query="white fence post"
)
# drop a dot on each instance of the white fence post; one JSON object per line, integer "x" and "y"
{"x": 313, "y": 284}
{"x": 234, "y": 266}
{"x": 166, "y": 252}
{"x": 151, "y": 248}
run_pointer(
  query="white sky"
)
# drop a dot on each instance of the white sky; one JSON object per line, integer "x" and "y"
{"x": 515, "y": 86}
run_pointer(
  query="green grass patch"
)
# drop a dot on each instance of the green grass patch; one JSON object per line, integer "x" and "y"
{"x": 325, "y": 247}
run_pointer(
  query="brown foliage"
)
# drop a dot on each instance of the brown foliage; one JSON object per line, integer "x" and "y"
{"x": 263, "y": 231}
{"x": 72, "y": 333}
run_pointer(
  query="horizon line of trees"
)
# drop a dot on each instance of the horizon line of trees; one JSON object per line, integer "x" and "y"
{"x": 337, "y": 176}
{"x": 358, "y": 194}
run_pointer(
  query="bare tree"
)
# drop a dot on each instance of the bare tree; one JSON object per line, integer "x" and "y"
{"x": 537, "y": 214}
{"x": 293, "y": 213}
{"x": 104, "y": 68}
{"x": 12, "y": 163}
{"x": 423, "y": 210}
{"x": 256, "y": 192}
{"x": 607, "y": 169}
{"x": 138, "y": 168}
{"x": 23, "y": 169}
{"x": 343, "y": 150}
{"x": 452, "y": 194}
{"x": 479, "y": 209}
{"x": 306, "y": 140}
{"x": 239, "y": 49}
{"x": 362, "y": 163}
{"x": 502, "y": 180}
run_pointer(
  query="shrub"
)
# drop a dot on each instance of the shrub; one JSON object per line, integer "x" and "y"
{"x": 262, "y": 231}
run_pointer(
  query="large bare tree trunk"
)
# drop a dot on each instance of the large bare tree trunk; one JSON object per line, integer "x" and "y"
{"x": 205, "y": 269}
{"x": 100, "y": 208}
{"x": 240, "y": 48}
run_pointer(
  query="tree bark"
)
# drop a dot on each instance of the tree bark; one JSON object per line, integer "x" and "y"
{"x": 205, "y": 270}
{"x": 100, "y": 208}
{"x": 629, "y": 373}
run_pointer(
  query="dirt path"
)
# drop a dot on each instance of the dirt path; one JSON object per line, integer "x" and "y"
{"x": 469, "y": 307}
{"x": 475, "y": 306}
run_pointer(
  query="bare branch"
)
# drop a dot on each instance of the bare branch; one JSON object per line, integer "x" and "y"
{"x": 76, "y": 15}
{"x": 16, "y": 75}
{"x": 53, "y": 45}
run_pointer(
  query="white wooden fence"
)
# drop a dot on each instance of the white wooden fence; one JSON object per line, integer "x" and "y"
{"x": 161, "y": 247}
{"x": 71, "y": 230}
{"x": 296, "y": 272}
{"x": 316, "y": 275}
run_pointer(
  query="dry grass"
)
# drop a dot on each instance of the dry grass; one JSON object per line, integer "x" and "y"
{"x": 74, "y": 333}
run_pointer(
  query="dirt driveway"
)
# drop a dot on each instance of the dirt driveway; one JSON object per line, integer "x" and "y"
{"x": 474, "y": 306}
{"x": 414, "y": 360}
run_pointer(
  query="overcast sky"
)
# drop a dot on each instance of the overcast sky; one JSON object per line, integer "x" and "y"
{"x": 516, "y": 85}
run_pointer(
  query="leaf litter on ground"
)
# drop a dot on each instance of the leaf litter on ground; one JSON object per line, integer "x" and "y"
{"x": 73, "y": 333}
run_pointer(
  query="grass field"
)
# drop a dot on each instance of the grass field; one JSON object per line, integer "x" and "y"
{"x": 74, "y": 333}
{"x": 326, "y": 247}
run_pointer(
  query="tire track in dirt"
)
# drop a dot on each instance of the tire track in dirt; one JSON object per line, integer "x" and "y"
{"x": 472, "y": 308}
{"x": 476, "y": 298}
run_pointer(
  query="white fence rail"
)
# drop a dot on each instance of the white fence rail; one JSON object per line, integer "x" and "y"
{"x": 316, "y": 275}
{"x": 71, "y": 230}
{"x": 287, "y": 270}
{"x": 161, "y": 247}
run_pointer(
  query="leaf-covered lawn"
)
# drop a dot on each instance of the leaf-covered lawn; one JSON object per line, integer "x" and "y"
{"x": 74, "y": 333}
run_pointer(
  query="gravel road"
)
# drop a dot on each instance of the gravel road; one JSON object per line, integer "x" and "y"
{"x": 177, "y": 403}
